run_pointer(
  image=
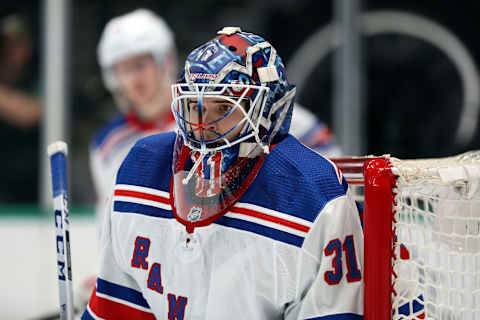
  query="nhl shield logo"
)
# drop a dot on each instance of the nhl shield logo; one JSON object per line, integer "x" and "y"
{"x": 194, "y": 214}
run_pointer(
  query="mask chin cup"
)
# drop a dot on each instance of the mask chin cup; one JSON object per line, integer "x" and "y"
{"x": 205, "y": 186}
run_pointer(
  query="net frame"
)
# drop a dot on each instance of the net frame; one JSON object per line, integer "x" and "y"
{"x": 377, "y": 181}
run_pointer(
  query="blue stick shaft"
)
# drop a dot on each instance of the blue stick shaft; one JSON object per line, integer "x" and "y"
{"x": 57, "y": 152}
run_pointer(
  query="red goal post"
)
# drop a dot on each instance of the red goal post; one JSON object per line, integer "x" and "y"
{"x": 421, "y": 234}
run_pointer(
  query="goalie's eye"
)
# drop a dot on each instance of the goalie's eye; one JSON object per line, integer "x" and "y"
{"x": 216, "y": 107}
{"x": 224, "y": 108}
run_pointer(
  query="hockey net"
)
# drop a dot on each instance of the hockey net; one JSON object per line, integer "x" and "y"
{"x": 422, "y": 235}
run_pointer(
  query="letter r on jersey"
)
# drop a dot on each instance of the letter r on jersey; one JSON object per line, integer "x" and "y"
{"x": 140, "y": 253}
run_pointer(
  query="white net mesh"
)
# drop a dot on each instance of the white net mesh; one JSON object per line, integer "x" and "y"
{"x": 437, "y": 248}
{"x": 438, "y": 241}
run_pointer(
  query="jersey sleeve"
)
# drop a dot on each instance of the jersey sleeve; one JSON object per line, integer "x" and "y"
{"x": 103, "y": 177}
{"x": 330, "y": 279}
{"x": 116, "y": 294}
{"x": 96, "y": 172}
{"x": 100, "y": 183}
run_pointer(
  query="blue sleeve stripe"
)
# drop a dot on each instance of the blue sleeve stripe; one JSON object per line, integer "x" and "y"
{"x": 86, "y": 315}
{"x": 321, "y": 145}
{"x": 307, "y": 135}
{"x": 136, "y": 208}
{"x": 339, "y": 316}
{"x": 272, "y": 233}
{"x": 102, "y": 135}
{"x": 121, "y": 292}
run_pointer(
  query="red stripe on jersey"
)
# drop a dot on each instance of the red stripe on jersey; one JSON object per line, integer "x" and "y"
{"x": 141, "y": 195}
{"x": 161, "y": 124}
{"x": 270, "y": 218}
{"x": 108, "y": 309}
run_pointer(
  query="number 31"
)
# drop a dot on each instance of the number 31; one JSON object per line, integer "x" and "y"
{"x": 334, "y": 276}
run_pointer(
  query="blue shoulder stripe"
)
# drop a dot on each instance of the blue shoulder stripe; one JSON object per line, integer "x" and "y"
{"x": 313, "y": 129}
{"x": 322, "y": 146}
{"x": 117, "y": 291}
{"x": 86, "y": 315}
{"x": 105, "y": 131}
{"x": 136, "y": 208}
{"x": 261, "y": 230}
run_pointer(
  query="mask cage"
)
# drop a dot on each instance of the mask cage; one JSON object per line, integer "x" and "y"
{"x": 232, "y": 93}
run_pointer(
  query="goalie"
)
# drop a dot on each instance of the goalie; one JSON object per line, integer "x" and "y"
{"x": 231, "y": 217}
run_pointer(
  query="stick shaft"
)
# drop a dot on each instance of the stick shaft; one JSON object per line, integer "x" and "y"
{"x": 57, "y": 153}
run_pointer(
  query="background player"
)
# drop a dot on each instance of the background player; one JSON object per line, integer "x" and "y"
{"x": 248, "y": 224}
{"x": 314, "y": 133}
{"x": 138, "y": 61}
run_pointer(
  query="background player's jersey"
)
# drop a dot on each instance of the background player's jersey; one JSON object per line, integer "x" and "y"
{"x": 291, "y": 248}
{"x": 307, "y": 128}
{"x": 111, "y": 145}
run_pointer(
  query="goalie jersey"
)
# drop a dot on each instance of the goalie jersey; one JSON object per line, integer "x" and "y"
{"x": 290, "y": 248}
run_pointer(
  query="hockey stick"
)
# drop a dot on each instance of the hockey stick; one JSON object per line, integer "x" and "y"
{"x": 57, "y": 153}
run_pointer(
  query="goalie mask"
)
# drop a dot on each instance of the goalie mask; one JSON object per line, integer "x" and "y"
{"x": 232, "y": 103}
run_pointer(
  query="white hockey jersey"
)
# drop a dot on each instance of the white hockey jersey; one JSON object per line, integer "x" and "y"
{"x": 291, "y": 248}
{"x": 111, "y": 145}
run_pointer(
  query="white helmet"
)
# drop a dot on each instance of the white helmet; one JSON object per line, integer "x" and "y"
{"x": 137, "y": 32}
